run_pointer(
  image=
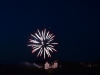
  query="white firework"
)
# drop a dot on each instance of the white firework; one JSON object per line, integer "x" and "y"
{"x": 42, "y": 41}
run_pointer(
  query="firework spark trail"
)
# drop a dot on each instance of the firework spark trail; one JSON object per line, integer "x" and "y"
{"x": 42, "y": 43}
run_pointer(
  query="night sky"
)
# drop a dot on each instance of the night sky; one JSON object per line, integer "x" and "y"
{"x": 76, "y": 26}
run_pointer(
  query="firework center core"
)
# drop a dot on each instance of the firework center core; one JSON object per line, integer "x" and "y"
{"x": 42, "y": 43}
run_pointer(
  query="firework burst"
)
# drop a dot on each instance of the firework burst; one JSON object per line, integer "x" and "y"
{"x": 42, "y": 41}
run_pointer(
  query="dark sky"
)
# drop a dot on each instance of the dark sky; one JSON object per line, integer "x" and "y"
{"x": 75, "y": 24}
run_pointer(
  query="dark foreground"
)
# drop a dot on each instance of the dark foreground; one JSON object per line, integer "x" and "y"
{"x": 28, "y": 70}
